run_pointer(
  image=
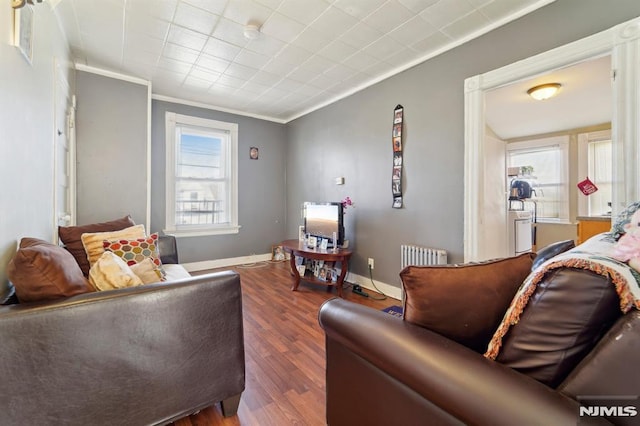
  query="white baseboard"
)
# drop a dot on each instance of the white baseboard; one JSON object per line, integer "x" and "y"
{"x": 365, "y": 282}
{"x": 223, "y": 263}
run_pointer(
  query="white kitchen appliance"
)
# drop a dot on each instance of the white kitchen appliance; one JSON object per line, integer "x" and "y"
{"x": 519, "y": 232}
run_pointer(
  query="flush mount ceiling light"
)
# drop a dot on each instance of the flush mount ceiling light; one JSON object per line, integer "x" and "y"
{"x": 252, "y": 31}
{"x": 17, "y": 4}
{"x": 544, "y": 91}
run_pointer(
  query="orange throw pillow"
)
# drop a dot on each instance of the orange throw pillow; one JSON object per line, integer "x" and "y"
{"x": 464, "y": 303}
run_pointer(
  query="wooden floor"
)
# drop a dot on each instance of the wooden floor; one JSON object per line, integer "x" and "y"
{"x": 284, "y": 347}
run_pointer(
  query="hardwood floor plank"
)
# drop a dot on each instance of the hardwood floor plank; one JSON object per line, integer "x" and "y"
{"x": 284, "y": 351}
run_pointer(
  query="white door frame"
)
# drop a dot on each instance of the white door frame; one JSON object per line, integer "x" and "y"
{"x": 622, "y": 42}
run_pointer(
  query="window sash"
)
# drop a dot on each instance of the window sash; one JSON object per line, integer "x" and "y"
{"x": 201, "y": 176}
{"x": 550, "y": 174}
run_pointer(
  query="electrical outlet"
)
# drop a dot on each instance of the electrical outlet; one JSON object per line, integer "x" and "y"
{"x": 371, "y": 263}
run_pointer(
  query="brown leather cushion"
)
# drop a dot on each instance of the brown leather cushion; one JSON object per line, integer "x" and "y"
{"x": 41, "y": 271}
{"x": 70, "y": 236}
{"x": 464, "y": 303}
{"x": 568, "y": 313}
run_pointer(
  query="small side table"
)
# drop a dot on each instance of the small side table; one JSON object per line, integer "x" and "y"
{"x": 298, "y": 248}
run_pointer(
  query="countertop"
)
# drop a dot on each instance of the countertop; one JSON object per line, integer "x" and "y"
{"x": 594, "y": 218}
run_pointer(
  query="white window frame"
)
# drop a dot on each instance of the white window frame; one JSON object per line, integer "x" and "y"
{"x": 583, "y": 162}
{"x": 563, "y": 143}
{"x": 172, "y": 121}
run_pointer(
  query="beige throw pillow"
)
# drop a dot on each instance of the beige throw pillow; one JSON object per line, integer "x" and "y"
{"x": 110, "y": 272}
{"x": 147, "y": 271}
{"x": 93, "y": 242}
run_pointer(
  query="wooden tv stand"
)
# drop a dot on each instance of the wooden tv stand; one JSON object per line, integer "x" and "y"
{"x": 298, "y": 248}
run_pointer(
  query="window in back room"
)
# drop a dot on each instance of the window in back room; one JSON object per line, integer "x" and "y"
{"x": 549, "y": 178}
{"x": 595, "y": 162}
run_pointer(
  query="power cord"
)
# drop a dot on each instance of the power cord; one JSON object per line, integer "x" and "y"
{"x": 359, "y": 291}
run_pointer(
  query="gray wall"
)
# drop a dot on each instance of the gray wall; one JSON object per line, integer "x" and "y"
{"x": 352, "y": 138}
{"x": 111, "y": 149}
{"x": 27, "y": 131}
{"x": 261, "y": 192}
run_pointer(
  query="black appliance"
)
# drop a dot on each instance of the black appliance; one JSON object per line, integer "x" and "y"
{"x": 520, "y": 190}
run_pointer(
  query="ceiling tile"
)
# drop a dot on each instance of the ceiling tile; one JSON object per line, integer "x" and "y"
{"x": 271, "y": 4}
{"x": 360, "y": 60}
{"x": 303, "y": 11}
{"x": 144, "y": 43}
{"x": 433, "y": 42}
{"x": 221, "y": 49}
{"x": 244, "y": 12}
{"x": 179, "y": 53}
{"x": 196, "y": 19}
{"x": 334, "y": 21}
{"x": 251, "y": 59}
{"x": 499, "y": 9}
{"x": 173, "y": 65}
{"x": 383, "y": 47}
{"x": 282, "y": 28}
{"x": 228, "y": 80}
{"x": 391, "y": 15}
{"x": 417, "y": 6}
{"x": 196, "y": 83}
{"x": 240, "y": 71}
{"x": 311, "y": 40}
{"x": 278, "y": 66}
{"x": 266, "y": 78}
{"x": 340, "y": 72}
{"x": 358, "y": 8}
{"x": 212, "y": 63}
{"x": 160, "y": 9}
{"x": 337, "y": 51}
{"x": 446, "y": 11}
{"x": 293, "y": 55}
{"x": 215, "y": 7}
{"x": 144, "y": 25}
{"x": 466, "y": 25}
{"x": 204, "y": 74}
{"x": 186, "y": 37}
{"x": 231, "y": 32}
{"x": 361, "y": 35}
{"x": 413, "y": 30}
{"x": 266, "y": 45}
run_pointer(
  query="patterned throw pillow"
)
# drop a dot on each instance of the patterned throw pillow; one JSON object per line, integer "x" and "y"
{"x": 624, "y": 218}
{"x": 135, "y": 251}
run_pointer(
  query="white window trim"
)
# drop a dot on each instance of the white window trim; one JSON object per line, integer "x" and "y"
{"x": 171, "y": 120}
{"x": 563, "y": 143}
{"x": 583, "y": 163}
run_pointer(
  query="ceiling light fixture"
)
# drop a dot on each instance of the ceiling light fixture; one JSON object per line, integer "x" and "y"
{"x": 252, "y": 31}
{"x": 17, "y": 4}
{"x": 544, "y": 91}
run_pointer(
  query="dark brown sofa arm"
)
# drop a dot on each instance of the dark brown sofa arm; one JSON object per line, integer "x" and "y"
{"x": 141, "y": 355}
{"x": 455, "y": 384}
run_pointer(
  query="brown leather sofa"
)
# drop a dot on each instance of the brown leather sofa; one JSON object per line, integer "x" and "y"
{"x": 136, "y": 356}
{"x": 385, "y": 370}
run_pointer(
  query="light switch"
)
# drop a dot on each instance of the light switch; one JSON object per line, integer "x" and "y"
{"x": 340, "y": 180}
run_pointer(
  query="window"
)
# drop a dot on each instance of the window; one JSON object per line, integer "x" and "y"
{"x": 595, "y": 162}
{"x": 202, "y": 169}
{"x": 550, "y": 176}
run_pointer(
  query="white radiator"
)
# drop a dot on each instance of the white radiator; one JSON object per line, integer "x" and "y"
{"x": 421, "y": 256}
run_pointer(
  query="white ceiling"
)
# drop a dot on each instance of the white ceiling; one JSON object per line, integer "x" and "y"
{"x": 310, "y": 52}
{"x": 585, "y": 99}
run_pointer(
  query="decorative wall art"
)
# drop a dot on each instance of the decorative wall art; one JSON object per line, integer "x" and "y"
{"x": 23, "y": 31}
{"x": 396, "y": 140}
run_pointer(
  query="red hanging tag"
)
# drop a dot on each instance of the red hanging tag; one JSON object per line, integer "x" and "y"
{"x": 587, "y": 187}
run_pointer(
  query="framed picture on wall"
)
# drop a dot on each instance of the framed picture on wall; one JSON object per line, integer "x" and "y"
{"x": 23, "y": 31}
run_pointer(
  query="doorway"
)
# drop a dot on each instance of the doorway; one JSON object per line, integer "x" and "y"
{"x": 621, "y": 42}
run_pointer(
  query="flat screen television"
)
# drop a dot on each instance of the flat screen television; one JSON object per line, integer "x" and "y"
{"x": 321, "y": 220}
